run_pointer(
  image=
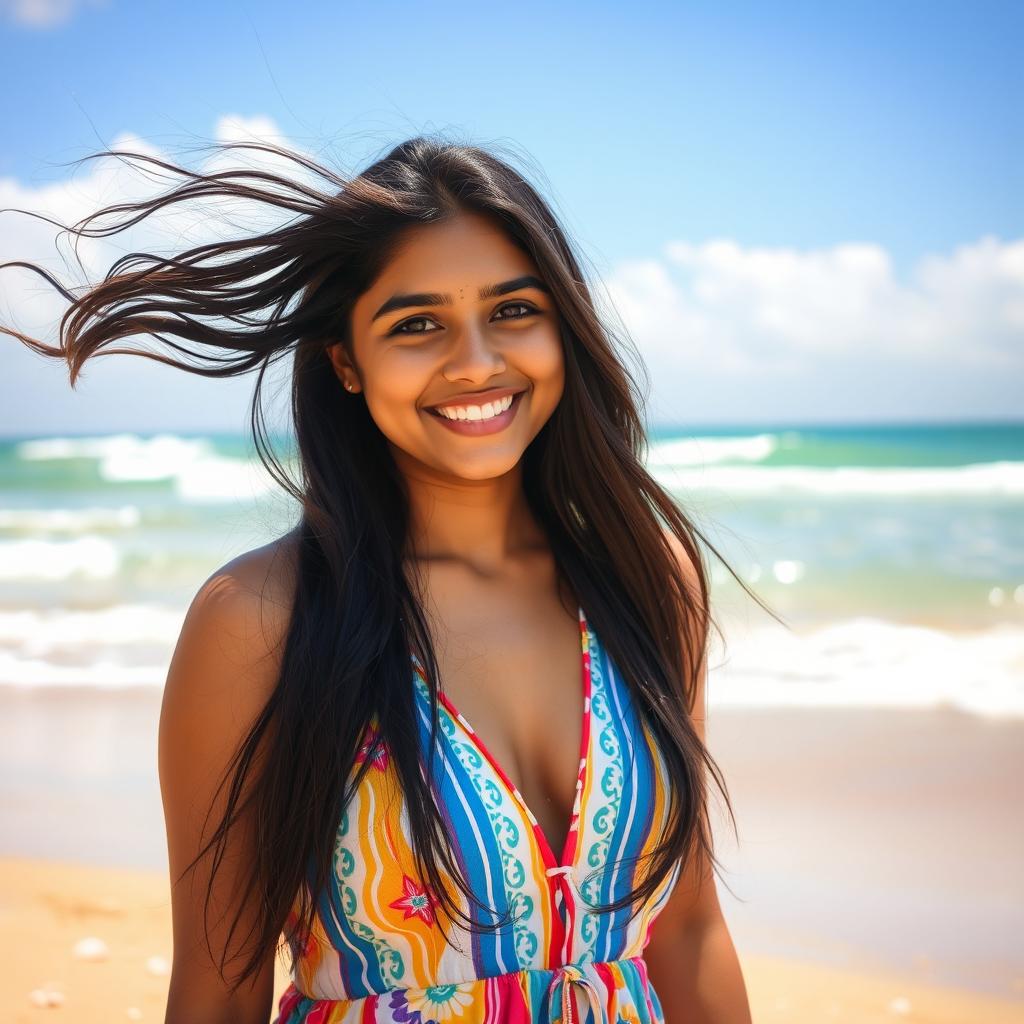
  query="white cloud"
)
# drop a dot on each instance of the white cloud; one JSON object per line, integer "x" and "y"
{"x": 769, "y": 308}
{"x": 794, "y": 321}
{"x": 728, "y": 332}
{"x": 44, "y": 13}
{"x": 110, "y": 180}
{"x": 121, "y": 391}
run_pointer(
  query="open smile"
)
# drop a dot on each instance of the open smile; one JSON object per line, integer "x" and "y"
{"x": 479, "y": 424}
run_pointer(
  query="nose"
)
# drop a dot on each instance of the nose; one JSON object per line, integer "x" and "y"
{"x": 473, "y": 356}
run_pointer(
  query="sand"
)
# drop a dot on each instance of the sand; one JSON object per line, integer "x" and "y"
{"x": 877, "y": 876}
{"x": 46, "y": 907}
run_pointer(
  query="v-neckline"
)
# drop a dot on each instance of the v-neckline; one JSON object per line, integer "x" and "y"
{"x": 568, "y": 856}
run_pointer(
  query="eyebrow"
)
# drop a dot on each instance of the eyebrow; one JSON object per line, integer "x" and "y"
{"x": 444, "y": 299}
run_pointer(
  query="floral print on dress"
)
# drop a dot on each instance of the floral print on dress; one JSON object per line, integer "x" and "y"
{"x": 437, "y": 1004}
{"x": 417, "y": 900}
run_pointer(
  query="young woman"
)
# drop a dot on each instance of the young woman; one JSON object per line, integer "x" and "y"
{"x": 450, "y": 727}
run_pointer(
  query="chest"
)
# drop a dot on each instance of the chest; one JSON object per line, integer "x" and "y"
{"x": 512, "y": 667}
{"x": 504, "y": 841}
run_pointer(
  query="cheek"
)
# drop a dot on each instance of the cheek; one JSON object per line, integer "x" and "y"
{"x": 544, "y": 361}
{"x": 395, "y": 383}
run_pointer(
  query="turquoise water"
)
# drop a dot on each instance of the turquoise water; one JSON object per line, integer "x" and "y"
{"x": 879, "y": 546}
{"x": 915, "y": 524}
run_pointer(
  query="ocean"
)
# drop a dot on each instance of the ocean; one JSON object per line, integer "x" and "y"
{"x": 893, "y": 554}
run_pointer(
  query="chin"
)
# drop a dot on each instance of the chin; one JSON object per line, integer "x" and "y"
{"x": 481, "y": 469}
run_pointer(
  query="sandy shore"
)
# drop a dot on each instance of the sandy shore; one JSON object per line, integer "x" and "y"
{"x": 877, "y": 874}
{"x": 877, "y": 839}
{"x": 46, "y": 907}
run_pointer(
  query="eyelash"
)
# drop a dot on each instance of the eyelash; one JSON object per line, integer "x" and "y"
{"x": 530, "y": 310}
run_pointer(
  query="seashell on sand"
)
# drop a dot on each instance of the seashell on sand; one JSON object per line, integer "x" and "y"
{"x": 90, "y": 948}
{"x": 46, "y": 996}
{"x": 158, "y": 965}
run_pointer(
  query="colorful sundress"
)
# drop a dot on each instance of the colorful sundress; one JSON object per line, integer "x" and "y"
{"x": 376, "y": 953}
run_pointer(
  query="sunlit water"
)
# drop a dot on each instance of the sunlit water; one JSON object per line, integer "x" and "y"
{"x": 895, "y": 555}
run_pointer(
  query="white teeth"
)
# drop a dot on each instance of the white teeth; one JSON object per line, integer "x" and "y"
{"x": 476, "y": 412}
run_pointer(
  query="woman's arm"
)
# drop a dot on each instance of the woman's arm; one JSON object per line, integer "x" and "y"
{"x": 691, "y": 959}
{"x": 224, "y": 668}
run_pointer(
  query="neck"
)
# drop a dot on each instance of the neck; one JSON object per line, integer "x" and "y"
{"x": 484, "y": 524}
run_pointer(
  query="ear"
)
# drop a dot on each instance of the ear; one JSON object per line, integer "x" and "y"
{"x": 343, "y": 368}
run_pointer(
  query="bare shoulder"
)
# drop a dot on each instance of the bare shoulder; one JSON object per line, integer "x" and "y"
{"x": 244, "y": 609}
{"x": 254, "y": 592}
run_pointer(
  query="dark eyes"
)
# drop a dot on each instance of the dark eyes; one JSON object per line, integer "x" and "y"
{"x": 530, "y": 310}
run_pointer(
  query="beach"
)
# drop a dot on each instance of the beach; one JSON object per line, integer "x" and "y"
{"x": 48, "y": 906}
{"x": 876, "y": 877}
{"x": 872, "y": 744}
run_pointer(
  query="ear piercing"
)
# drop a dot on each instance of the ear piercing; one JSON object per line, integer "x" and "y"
{"x": 348, "y": 385}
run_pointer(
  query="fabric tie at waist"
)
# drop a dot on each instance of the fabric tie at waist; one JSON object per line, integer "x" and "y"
{"x": 567, "y": 976}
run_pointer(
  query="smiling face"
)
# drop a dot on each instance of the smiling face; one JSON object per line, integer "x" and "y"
{"x": 431, "y": 331}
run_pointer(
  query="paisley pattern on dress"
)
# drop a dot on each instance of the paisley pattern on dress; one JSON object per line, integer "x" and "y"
{"x": 377, "y": 953}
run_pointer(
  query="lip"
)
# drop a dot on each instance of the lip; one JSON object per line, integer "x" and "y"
{"x": 475, "y": 428}
{"x": 478, "y": 397}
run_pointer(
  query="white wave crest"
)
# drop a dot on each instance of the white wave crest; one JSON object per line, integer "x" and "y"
{"x": 868, "y": 662}
{"x": 69, "y": 520}
{"x": 986, "y": 478}
{"x": 91, "y": 557}
{"x": 198, "y": 473}
{"x": 38, "y": 672}
{"x": 34, "y": 632}
{"x": 697, "y": 451}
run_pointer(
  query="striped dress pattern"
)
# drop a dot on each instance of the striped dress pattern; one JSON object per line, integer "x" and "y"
{"x": 376, "y": 954}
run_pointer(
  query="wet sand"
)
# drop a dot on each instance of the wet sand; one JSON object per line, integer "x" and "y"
{"x": 877, "y": 839}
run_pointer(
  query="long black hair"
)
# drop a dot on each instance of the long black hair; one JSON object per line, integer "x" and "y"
{"x": 614, "y": 531}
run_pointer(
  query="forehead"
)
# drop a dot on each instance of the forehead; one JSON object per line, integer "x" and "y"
{"x": 464, "y": 252}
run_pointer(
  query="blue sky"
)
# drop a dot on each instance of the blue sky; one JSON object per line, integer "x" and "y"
{"x": 804, "y": 212}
